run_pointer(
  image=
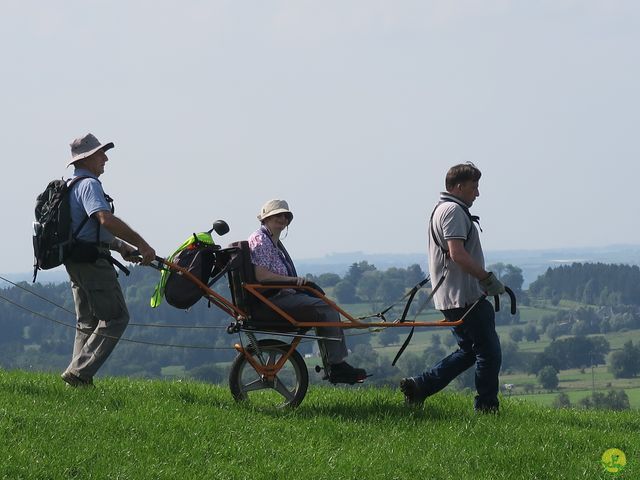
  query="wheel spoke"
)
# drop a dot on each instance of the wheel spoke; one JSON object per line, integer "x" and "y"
{"x": 271, "y": 359}
{"x": 257, "y": 384}
{"x": 282, "y": 389}
{"x": 286, "y": 388}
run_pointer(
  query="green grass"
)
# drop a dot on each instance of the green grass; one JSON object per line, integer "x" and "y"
{"x": 618, "y": 339}
{"x": 576, "y": 384}
{"x": 152, "y": 429}
{"x": 534, "y": 314}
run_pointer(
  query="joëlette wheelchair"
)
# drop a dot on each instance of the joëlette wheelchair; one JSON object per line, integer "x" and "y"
{"x": 269, "y": 369}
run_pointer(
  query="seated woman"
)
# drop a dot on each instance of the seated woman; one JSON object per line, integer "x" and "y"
{"x": 273, "y": 263}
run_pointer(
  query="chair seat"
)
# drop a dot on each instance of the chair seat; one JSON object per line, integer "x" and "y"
{"x": 264, "y": 318}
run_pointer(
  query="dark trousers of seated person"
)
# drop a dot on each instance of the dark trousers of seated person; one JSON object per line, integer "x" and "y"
{"x": 320, "y": 312}
{"x": 478, "y": 344}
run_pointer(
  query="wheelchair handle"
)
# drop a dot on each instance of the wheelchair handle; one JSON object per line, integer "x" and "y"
{"x": 159, "y": 260}
{"x": 512, "y": 299}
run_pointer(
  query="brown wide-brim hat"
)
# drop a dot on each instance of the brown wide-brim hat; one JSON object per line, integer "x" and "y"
{"x": 86, "y": 146}
{"x": 274, "y": 207}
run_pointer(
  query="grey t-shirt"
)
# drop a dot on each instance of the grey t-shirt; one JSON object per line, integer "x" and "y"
{"x": 87, "y": 198}
{"x": 450, "y": 221}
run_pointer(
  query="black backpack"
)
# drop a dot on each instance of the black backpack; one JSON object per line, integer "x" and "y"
{"x": 200, "y": 260}
{"x": 52, "y": 235}
{"x": 200, "y": 256}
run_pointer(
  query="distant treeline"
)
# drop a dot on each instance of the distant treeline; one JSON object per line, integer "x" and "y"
{"x": 590, "y": 283}
{"x": 364, "y": 283}
{"x": 29, "y": 341}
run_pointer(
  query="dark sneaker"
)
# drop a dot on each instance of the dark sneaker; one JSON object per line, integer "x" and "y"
{"x": 487, "y": 409}
{"x": 412, "y": 394}
{"x": 344, "y": 373}
{"x": 486, "y": 405}
{"x": 75, "y": 381}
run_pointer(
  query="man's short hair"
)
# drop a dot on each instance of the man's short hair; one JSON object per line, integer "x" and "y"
{"x": 463, "y": 172}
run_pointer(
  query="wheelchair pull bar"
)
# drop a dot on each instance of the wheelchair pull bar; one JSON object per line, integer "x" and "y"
{"x": 512, "y": 299}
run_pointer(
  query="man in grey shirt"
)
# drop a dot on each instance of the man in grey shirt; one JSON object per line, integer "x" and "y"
{"x": 456, "y": 266}
{"x": 101, "y": 312}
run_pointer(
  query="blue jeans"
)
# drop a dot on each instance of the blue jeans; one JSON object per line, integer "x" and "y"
{"x": 478, "y": 343}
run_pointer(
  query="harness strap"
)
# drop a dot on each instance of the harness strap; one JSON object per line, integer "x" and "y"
{"x": 411, "y": 293}
{"x": 114, "y": 262}
{"x": 422, "y": 307}
{"x": 473, "y": 218}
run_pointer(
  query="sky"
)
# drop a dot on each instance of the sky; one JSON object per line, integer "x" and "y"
{"x": 352, "y": 111}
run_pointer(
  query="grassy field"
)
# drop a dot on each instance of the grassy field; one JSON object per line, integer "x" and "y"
{"x": 577, "y": 384}
{"x": 547, "y": 399}
{"x": 124, "y": 429}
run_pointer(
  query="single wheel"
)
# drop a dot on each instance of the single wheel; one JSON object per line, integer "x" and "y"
{"x": 286, "y": 389}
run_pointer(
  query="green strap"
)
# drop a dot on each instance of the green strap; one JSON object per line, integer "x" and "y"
{"x": 202, "y": 238}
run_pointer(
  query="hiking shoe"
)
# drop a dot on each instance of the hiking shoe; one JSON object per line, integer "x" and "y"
{"x": 344, "y": 373}
{"x": 412, "y": 395}
{"x": 75, "y": 381}
{"x": 487, "y": 410}
{"x": 486, "y": 405}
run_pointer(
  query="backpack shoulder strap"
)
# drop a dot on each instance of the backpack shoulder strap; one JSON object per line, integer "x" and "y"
{"x": 70, "y": 185}
{"x": 433, "y": 232}
{"x": 74, "y": 180}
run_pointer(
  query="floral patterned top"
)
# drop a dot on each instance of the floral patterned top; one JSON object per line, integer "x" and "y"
{"x": 266, "y": 255}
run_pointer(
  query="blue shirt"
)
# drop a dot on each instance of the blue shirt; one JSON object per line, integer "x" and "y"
{"x": 86, "y": 198}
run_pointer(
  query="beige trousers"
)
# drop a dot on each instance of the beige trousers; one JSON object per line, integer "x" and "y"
{"x": 101, "y": 313}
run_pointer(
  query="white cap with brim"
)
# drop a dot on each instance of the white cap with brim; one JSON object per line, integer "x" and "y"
{"x": 274, "y": 207}
{"x": 86, "y": 146}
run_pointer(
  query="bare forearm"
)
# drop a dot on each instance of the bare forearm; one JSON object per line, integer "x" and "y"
{"x": 264, "y": 275}
{"x": 124, "y": 232}
{"x": 120, "y": 229}
{"x": 462, "y": 258}
{"x": 471, "y": 267}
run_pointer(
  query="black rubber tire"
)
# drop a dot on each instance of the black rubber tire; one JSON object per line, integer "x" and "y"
{"x": 287, "y": 390}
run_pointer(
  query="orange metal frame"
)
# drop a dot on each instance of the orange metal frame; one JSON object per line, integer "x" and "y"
{"x": 254, "y": 288}
{"x": 351, "y": 322}
{"x": 270, "y": 371}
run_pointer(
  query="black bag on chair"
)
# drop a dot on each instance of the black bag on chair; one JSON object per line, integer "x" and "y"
{"x": 199, "y": 260}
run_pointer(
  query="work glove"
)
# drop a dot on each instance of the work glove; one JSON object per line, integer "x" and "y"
{"x": 492, "y": 286}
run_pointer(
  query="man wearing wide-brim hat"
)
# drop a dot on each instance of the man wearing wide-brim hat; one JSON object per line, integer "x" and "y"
{"x": 102, "y": 314}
